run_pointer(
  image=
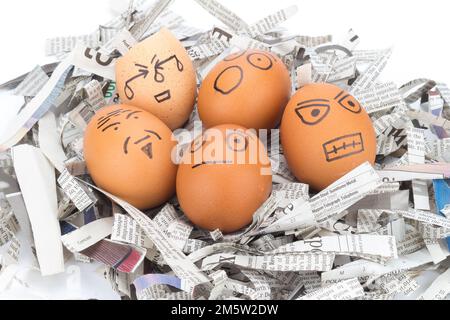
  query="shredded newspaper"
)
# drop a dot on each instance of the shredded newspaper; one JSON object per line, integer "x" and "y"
{"x": 378, "y": 233}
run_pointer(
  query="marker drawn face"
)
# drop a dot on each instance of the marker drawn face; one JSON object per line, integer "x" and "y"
{"x": 112, "y": 122}
{"x": 249, "y": 88}
{"x": 326, "y": 133}
{"x": 128, "y": 153}
{"x": 157, "y": 75}
{"x": 221, "y": 180}
{"x": 225, "y": 146}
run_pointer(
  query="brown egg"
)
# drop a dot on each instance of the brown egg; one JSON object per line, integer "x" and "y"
{"x": 249, "y": 88}
{"x": 224, "y": 177}
{"x": 325, "y": 133}
{"x": 128, "y": 153}
{"x": 157, "y": 75}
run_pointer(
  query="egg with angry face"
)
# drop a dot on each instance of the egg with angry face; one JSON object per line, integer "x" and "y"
{"x": 325, "y": 133}
{"x": 223, "y": 178}
{"x": 128, "y": 153}
{"x": 249, "y": 88}
{"x": 157, "y": 75}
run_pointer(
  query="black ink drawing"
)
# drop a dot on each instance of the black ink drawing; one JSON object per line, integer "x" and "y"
{"x": 343, "y": 147}
{"x": 348, "y": 102}
{"x": 163, "y": 96}
{"x": 211, "y": 162}
{"x": 261, "y": 61}
{"x": 158, "y": 77}
{"x": 143, "y": 73}
{"x": 312, "y": 112}
{"x": 236, "y": 81}
{"x": 147, "y": 149}
{"x": 104, "y": 123}
{"x": 237, "y": 141}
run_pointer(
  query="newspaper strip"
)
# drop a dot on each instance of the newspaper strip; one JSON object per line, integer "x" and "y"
{"x": 127, "y": 230}
{"x": 88, "y": 235}
{"x": 37, "y": 182}
{"x": 33, "y": 83}
{"x": 74, "y": 191}
{"x": 439, "y": 289}
{"x": 270, "y": 22}
{"x": 366, "y": 80}
{"x": 347, "y": 244}
{"x": 344, "y": 290}
{"x": 94, "y": 95}
{"x": 426, "y": 217}
{"x": 154, "y": 12}
{"x": 94, "y": 62}
{"x": 37, "y": 107}
{"x": 379, "y": 97}
{"x": 364, "y": 268}
{"x": 345, "y": 192}
{"x": 180, "y": 264}
{"x": 280, "y": 262}
{"x": 229, "y": 18}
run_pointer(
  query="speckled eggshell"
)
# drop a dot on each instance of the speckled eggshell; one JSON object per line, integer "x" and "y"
{"x": 250, "y": 88}
{"x": 157, "y": 75}
{"x": 128, "y": 153}
{"x": 215, "y": 194}
{"x": 325, "y": 133}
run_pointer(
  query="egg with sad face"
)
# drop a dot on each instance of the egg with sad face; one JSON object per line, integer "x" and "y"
{"x": 128, "y": 153}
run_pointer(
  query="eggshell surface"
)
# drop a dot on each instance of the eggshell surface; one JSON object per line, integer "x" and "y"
{"x": 128, "y": 153}
{"x": 224, "y": 177}
{"x": 325, "y": 133}
{"x": 157, "y": 75}
{"x": 249, "y": 88}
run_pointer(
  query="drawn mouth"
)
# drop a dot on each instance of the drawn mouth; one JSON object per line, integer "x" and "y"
{"x": 211, "y": 162}
{"x": 343, "y": 147}
{"x": 163, "y": 96}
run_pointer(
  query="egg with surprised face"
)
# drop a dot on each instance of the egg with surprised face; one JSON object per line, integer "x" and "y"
{"x": 249, "y": 88}
{"x": 224, "y": 177}
{"x": 128, "y": 153}
{"x": 325, "y": 133}
{"x": 157, "y": 75}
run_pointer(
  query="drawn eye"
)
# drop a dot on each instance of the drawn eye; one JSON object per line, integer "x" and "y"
{"x": 237, "y": 141}
{"x": 348, "y": 102}
{"x": 312, "y": 112}
{"x": 260, "y": 61}
{"x": 197, "y": 144}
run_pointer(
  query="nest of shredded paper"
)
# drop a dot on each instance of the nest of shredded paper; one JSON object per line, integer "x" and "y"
{"x": 377, "y": 233}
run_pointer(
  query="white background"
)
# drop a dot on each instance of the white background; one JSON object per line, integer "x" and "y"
{"x": 417, "y": 29}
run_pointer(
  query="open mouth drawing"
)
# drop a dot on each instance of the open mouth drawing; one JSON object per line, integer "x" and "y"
{"x": 211, "y": 162}
{"x": 343, "y": 147}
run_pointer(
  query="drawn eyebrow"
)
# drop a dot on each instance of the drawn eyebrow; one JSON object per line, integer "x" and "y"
{"x": 143, "y": 139}
{"x": 133, "y": 113}
{"x": 340, "y": 93}
{"x": 313, "y": 100}
{"x": 153, "y": 59}
{"x": 153, "y": 132}
{"x": 111, "y": 125}
{"x": 125, "y": 145}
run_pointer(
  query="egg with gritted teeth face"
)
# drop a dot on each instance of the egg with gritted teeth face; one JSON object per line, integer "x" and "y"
{"x": 248, "y": 88}
{"x": 128, "y": 153}
{"x": 223, "y": 178}
{"x": 325, "y": 133}
{"x": 158, "y": 76}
